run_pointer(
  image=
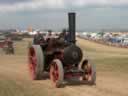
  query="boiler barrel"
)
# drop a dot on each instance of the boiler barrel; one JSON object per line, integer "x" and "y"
{"x": 72, "y": 54}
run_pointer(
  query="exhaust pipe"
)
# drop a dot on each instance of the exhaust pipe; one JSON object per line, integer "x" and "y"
{"x": 72, "y": 27}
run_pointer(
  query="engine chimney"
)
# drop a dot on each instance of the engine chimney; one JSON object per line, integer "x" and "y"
{"x": 72, "y": 27}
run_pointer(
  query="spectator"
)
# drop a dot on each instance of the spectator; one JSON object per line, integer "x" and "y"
{"x": 65, "y": 36}
{"x": 62, "y": 35}
{"x": 49, "y": 35}
{"x": 38, "y": 38}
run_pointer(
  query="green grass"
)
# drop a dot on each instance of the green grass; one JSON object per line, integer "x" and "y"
{"x": 13, "y": 88}
{"x": 21, "y": 47}
{"x": 11, "y": 84}
{"x": 108, "y": 60}
{"x": 112, "y": 64}
{"x": 10, "y": 88}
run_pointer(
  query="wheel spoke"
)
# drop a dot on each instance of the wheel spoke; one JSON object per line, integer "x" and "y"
{"x": 54, "y": 72}
{"x": 57, "y": 75}
{"x": 88, "y": 72}
{"x": 55, "y": 66}
{"x": 32, "y": 62}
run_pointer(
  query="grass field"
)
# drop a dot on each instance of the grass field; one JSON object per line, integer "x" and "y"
{"x": 106, "y": 58}
{"x": 111, "y": 64}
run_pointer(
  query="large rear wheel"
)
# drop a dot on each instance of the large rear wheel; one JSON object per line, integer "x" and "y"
{"x": 36, "y": 62}
{"x": 56, "y": 73}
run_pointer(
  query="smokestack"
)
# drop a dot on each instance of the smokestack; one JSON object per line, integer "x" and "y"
{"x": 72, "y": 26}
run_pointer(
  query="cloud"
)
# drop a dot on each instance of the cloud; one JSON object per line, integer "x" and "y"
{"x": 17, "y": 5}
{"x": 31, "y": 5}
{"x": 12, "y": 1}
{"x": 80, "y": 3}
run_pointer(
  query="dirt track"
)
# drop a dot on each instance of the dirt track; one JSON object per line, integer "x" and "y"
{"x": 15, "y": 81}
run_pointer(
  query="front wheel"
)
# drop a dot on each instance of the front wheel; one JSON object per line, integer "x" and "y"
{"x": 56, "y": 73}
{"x": 89, "y": 72}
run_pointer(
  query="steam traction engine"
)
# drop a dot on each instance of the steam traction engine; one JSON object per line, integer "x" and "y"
{"x": 62, "y": 60}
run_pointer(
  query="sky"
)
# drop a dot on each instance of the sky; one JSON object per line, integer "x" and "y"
{"x": 52, "y": 14}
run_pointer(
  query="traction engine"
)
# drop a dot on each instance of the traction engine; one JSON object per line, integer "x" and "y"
{"x": 62, "y": 60}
